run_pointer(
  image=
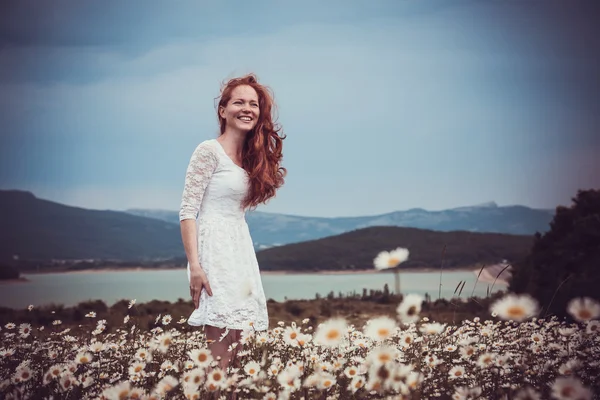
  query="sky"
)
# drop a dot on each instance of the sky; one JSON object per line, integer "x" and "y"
{"x": 386, "y": 105}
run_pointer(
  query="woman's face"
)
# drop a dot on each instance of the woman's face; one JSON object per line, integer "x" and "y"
{"x": 242, "y": 111}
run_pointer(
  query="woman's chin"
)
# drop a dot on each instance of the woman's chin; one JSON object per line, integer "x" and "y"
{"x": 244, "y": 127}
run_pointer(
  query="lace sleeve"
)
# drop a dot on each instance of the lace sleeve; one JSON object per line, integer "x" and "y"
{"x": 201, "y": 167}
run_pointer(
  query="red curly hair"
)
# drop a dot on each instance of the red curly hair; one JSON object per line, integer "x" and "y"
{"x": 262, "y": 151}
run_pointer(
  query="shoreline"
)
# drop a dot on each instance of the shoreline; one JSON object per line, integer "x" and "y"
{"x": 279, "y": 272}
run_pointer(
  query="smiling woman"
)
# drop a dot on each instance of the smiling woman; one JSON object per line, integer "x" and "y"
{"x": 227, "y": 175}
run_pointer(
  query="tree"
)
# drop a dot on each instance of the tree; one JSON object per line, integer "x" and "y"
{"x": 564, "y": 263}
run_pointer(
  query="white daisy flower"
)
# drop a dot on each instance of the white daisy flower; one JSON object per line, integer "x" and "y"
{"x": 137, "y": 368}
{"x": 252, "y": 368}
{"x": 201, "y": 357}
{"x": 410, "y": 308}
{"x": 583, "y": 309}
{"x": 23, "y": 374}
{"x": 592, "y": 327}
{"x": 83, "y": 358}
{"x": 569, "y": 388}
{"x": 390, "y": 259}
{"x": 166, "y": 384}
{"x": 456, "y": 372}
{"x": 515, "y": 307}
{"x": 331, "y": 332}
{"x": 432, "y": 328}
{"x": 24, "y": 329}
{"x": 290, "y": 336}
{"x": 380, "y": 328}
{"x": 485, "y": 360}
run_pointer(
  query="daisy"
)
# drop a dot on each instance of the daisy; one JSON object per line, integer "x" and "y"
{"x": 485, "y": 360}
{"x": 164, "y": 341}
{"x": 593, "y": 327}
{"x": 570, "y": 388}
{"x": 24, "y": 329}
{"x": 197, "y": 376}
{"x": 96, "y": 347}
{"x": 326, "y": 380}
{"x": 290, "y": 336}
{"x": 166, "y": 320}
{"x": 91, "y": 314}
{"x": 143, "y": 355}
{"x": 168, "y": 366}
{"x": 131, "y": 303}
{"x": 262, "y": 338}
{"x": 252, "y": 368}
{"x": 67, "y": 381}
{"x": 137, "y": 368}
{"x": 406, "y": 339}
{"x": 215, "y": 380}
{"x": 166, "y": 384}
{"x": 381, "y": 355}
{"x": 515, "y": 307}
{"x": 390, "y": 259}
{"x": 583, "y": 309}
{"x": 24, "y": 374}
{"x": 457, "y": 372}
{"x": 331, "y": 332}
{"x": 357, "y": 383}
{"x": 351, "y": 371}
{"x": 380, "y": 328}
{"x": 432, "y": 328}
{"x": 303, "y": 338}
{"x": 537, "y": 338}
{"x": 83, "y": 358}
{"x": 410, "y": 308}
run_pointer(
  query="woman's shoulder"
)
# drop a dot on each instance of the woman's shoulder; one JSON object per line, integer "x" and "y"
{"x": 207, "y": 150}
{"x": 207, "y": 146}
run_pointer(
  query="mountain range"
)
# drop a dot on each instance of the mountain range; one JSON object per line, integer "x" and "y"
{"x": 34, "y": 228}
{"x": 271, "y": 229}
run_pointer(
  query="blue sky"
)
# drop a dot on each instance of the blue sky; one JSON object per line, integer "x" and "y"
{"x": 387, "y": 105}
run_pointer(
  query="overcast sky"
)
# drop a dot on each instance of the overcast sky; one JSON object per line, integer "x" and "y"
{"x": 387, "y": 105}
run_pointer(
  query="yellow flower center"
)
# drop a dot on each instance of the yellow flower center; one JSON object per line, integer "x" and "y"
{"x": 383, "y": 332}
{"x": 516, "y": 312}
{"x": 333, "y": 334}
{"x": 393, "y": 261}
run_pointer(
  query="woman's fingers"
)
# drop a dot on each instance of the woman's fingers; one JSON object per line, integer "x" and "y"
{"x": 208, "y": 289}
{"x": 196, "y": 297}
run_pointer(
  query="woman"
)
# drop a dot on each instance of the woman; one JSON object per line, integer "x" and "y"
{"x": 226, "y": 176}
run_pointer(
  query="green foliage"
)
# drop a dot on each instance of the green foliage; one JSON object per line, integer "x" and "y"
{"x": 358, "y": 248}
{"x": 564, "y": 263}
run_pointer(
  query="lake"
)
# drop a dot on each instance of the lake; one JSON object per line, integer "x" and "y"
{"x": 170, "y": 285}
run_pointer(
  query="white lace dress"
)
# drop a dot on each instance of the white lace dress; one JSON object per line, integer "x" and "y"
{"x": 214, "y": 189}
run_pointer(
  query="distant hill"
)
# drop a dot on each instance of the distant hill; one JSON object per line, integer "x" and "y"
{"x": 270, "y": 229}
{"x": 33, "y": 228}
{"x": 356, "y": 250}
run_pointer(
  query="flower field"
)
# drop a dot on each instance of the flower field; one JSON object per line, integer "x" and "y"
{"x": 511, "y": 355}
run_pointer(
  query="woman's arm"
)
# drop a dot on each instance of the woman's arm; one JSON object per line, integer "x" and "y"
{"x": 200, "y": 169}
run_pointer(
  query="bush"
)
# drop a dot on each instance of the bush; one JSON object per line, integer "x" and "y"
{"x": 564, "y": 262}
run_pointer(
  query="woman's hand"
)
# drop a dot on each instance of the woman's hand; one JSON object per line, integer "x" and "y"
{"x": 198, "y": 280}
